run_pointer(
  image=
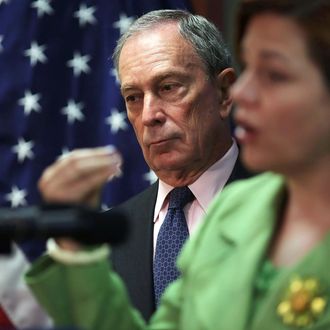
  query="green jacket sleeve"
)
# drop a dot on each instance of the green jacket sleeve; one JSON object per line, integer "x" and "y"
{"x": 93, "y": 297}
{"x": 87, "y": 296}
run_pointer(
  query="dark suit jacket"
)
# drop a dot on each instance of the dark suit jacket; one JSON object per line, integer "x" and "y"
{"x": 134, "y": 258}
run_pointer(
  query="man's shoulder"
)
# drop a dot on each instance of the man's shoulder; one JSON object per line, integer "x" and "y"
{"x": 239, "y": 172}
{"x": 258, "y": 184}
{"x": 147, "y": 196}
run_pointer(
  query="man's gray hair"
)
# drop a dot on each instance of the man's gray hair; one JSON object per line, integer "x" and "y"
{"x": 203, "y": 35}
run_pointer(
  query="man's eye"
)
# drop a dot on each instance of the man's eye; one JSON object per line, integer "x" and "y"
{"x": 130, "y": 98}
{"x": 166, "y": 88}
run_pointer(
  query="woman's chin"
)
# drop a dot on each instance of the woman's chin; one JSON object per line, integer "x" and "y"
{"x": 254, "y": 162}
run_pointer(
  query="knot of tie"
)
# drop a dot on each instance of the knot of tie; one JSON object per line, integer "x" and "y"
{"x": 179, "y": 197}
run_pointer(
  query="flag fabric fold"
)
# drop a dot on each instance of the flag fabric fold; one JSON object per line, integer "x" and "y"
{"x": 59, "y": 91}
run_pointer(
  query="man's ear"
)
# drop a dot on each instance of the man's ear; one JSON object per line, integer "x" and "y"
{"x": 225, "y": 80}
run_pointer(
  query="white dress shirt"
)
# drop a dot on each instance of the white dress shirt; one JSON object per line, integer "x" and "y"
{"x": 204, "y": 189}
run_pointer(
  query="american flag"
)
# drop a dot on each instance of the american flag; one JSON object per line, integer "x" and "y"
{"x": 59, "y": 91}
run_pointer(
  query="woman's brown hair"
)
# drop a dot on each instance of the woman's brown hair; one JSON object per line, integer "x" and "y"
{"x": 313, "y": 16}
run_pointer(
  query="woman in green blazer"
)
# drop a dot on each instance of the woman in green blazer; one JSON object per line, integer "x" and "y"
{"x": 260, "y": 261}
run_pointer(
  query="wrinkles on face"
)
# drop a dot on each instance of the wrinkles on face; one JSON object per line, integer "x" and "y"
{"x": 139, "y": 56}
{"x": 172, "y": 105}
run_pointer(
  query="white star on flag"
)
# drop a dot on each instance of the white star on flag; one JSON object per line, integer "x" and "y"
{"x": 116, "y": 120}
{"x": 85, "y": 15}
{"x": 3, "y": 1}
{"x": 105, "y": 207}
{"x": 1, "y": 47}
{"x": 123, "y": 23}
{"x": 150, "y": 176}
{"x": 16, "y": 197}
{"x": 73, "y": 111}
{"x": 30, "y": 102}
{"x": 23, "y": 149}
{"x": 43, "y": 7}
{"x": 114, "y": 73}
{"x": 36, "y": 53}
{"x": 79, "y": 63}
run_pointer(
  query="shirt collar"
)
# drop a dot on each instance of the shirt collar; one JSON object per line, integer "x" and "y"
{"x": 207, "y": 185}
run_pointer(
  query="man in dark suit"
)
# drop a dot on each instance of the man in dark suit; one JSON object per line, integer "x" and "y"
{"x": 133, "y": 260}
{"x": 175, "y": 73}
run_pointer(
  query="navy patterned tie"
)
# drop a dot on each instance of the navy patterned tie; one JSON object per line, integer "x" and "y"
{"x": 172, "y": 235}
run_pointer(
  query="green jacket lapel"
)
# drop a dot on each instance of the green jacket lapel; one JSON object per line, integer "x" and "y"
{"x": 227, "y": 256}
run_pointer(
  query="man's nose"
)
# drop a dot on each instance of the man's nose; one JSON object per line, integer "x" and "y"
{"x": 153, "y": 112}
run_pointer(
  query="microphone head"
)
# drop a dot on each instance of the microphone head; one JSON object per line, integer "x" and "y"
{"x": 86, "y": 225}
{"x": 101, "y": 227}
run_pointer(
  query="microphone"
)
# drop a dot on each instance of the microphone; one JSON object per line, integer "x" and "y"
{"x": 87, "y": 226}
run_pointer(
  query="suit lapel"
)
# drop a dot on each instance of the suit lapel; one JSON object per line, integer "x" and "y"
{"x": 133, "y": 259}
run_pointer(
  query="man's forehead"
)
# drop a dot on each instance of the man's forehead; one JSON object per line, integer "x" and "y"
{"x": 160, "y": 33}
{"x": 157, "y": 52}
{"x": 163, "y": 42}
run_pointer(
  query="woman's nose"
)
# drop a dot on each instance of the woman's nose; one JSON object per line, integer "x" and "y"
{"x": 244, "y": 90}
